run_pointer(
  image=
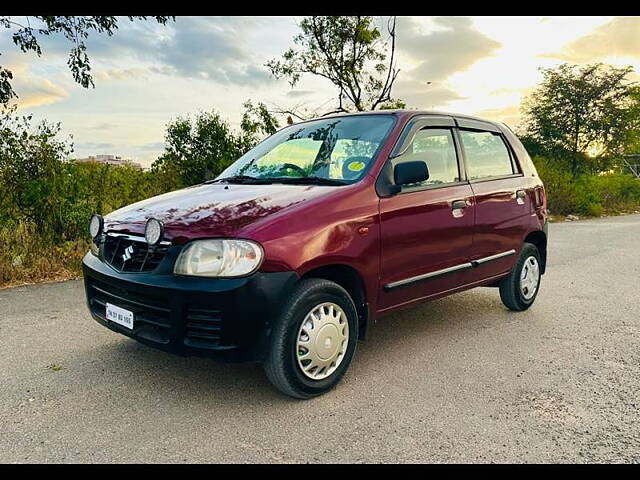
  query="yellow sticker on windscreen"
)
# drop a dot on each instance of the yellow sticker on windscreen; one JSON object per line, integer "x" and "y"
{"x": 355, "y": 166}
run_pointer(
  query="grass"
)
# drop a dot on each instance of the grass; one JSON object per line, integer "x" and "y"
{"x": 26, "y": 258}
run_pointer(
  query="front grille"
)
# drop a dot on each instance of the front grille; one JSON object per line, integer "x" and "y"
{"x": 203, "y": 328}
{"x": 127, "y": 254}
{"x": 152, "y": 317}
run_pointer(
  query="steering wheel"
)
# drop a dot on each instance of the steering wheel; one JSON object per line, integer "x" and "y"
{"x": 294, "y": 167}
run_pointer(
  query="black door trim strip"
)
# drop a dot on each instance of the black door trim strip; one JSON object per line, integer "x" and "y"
{"x": 444, "y": 271}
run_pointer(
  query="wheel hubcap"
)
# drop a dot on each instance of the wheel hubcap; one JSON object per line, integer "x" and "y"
{"x": 322, "y": 340}
{"x": 529, "y": 278}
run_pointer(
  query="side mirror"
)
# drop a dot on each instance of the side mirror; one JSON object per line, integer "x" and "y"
{"x": 410, "y": 172}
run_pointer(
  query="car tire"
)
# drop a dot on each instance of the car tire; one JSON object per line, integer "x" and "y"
{"x": 315, "y": 316}
{"x": 519, "y": 290}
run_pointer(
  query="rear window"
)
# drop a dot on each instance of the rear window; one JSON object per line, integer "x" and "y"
{"x": 486, "y": 155}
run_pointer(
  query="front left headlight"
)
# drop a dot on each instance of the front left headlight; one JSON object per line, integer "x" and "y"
{"x": 219, "y": 258}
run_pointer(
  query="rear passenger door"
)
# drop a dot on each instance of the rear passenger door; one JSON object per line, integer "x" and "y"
{"x": 502, "y": 206}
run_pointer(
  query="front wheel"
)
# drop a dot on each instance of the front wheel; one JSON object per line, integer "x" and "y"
{"x": 313, "y": 340}
{"x": 519, "y": 290}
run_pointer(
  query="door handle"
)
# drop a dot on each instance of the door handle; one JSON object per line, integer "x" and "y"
{"x": 459, "y": 204}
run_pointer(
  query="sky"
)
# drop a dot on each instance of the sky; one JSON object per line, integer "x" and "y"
{"x": 146, "y": 74}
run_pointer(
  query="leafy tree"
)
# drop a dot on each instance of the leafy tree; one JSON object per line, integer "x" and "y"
{"x": 348, "y": 52}
{"x": 30, "y": 169}
{"x": 200, "y": 148}
{"x": 196, "y": 149}
{"x": 582, "y": 115}
{"x": 74, "y": 28}
{"x": 631, "y": 139}
{"x": 258, "y": 120}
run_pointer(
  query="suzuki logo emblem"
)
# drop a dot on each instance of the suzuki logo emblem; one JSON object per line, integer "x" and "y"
{"x": 128, "y": 253}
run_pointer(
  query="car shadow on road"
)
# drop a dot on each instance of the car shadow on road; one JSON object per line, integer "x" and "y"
{"x": 195, "y": 380}
{"x": 439, "y": 325}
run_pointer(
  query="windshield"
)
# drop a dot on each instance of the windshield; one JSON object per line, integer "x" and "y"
{"x": 331, "y": 151}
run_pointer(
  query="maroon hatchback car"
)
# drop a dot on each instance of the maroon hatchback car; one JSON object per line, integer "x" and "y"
{"x": 290, "y": 254}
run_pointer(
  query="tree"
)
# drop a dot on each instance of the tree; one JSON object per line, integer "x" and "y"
{"x": 31, "y": 163}
{"x": 348, "y": 52}
{"x": 257, "y": 120}
{"x": 74, "y": 28}
{"x": 581, "y": 115}
{"x": 631, "y": 139}
{"x": 199, "y": 149}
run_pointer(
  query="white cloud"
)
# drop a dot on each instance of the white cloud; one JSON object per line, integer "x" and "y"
{"x": 618, "y": 38}
{"x": 451, "y": 45}
{"x": 451, "y": 48}
{"x": 32, "y": 90}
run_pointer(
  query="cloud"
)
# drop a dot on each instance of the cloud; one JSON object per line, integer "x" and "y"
{"x": 439, "y": 53}
{"x": 34, "y": 91}
{"x": 95, "y": 146}
{"x": 618, "y": 38}
{"x": 102, "y": 126}
{"x": 211, "y": 48}
{"x": 192, "y": 47}
{"x": 444, "y": 52}
{"x": 509, "y": 115}
{"x": 121, "y": 74}
{"x": 154, "y": 146}
{"x": 299, "y": 93}
{"x": 421, "y": 95}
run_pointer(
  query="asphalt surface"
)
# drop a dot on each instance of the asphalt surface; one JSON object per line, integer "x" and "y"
{"x": 460, "y": 379}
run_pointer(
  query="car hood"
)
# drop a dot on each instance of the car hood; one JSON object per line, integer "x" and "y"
{"x": 213, "y": 210}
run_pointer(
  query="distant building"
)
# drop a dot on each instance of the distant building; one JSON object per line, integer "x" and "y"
{"x": 110, "y": 160}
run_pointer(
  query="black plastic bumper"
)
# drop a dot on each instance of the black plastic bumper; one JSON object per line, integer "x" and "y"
{"x": 228, "y": 319}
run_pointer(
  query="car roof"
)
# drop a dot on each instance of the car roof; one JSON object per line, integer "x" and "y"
{"x": 406, "y": 113}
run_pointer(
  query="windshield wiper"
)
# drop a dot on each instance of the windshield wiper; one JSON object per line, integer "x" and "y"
{"x": 241, "y": 179}
{"x": 309, "y": 180}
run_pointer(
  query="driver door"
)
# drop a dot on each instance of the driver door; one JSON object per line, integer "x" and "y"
{"x": 427, "y": 228}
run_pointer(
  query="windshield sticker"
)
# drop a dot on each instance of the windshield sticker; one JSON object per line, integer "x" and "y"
{"x": 355, "y": 166}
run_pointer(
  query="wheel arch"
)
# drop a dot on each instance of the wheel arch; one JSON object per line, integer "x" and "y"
{"x": 539, "y": 239}
{"x": 350, "y": 279}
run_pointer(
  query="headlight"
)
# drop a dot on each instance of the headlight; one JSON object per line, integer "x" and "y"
{"x": 153, "y": 231}
{"x": 96, "y": 225}
{"x": 219, "y": 258}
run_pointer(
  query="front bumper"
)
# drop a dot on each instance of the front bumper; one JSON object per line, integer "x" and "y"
{"x": 228, "y": 319}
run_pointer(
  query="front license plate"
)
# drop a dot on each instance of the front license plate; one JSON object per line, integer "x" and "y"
{"x": 120, "y": 316}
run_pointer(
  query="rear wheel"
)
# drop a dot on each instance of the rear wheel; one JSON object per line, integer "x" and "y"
{"x": 313, "y": 340}
{"x": 518, "y": 291}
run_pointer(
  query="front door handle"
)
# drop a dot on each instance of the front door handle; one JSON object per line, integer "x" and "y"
{"x": 458, "y": 208}
{"x": 459, "y": 204}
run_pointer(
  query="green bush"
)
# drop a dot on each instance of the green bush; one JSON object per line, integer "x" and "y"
{"x": 587, "y": 194}
{"x": 48, "y": 241}
{"x": 46, "y": 201}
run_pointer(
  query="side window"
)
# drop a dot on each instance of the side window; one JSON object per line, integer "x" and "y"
{"x": 435, "y": 147}
{"x": 486, "y": 155}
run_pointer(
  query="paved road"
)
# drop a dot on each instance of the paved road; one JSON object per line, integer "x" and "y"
{"x": 459, "y": 379}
